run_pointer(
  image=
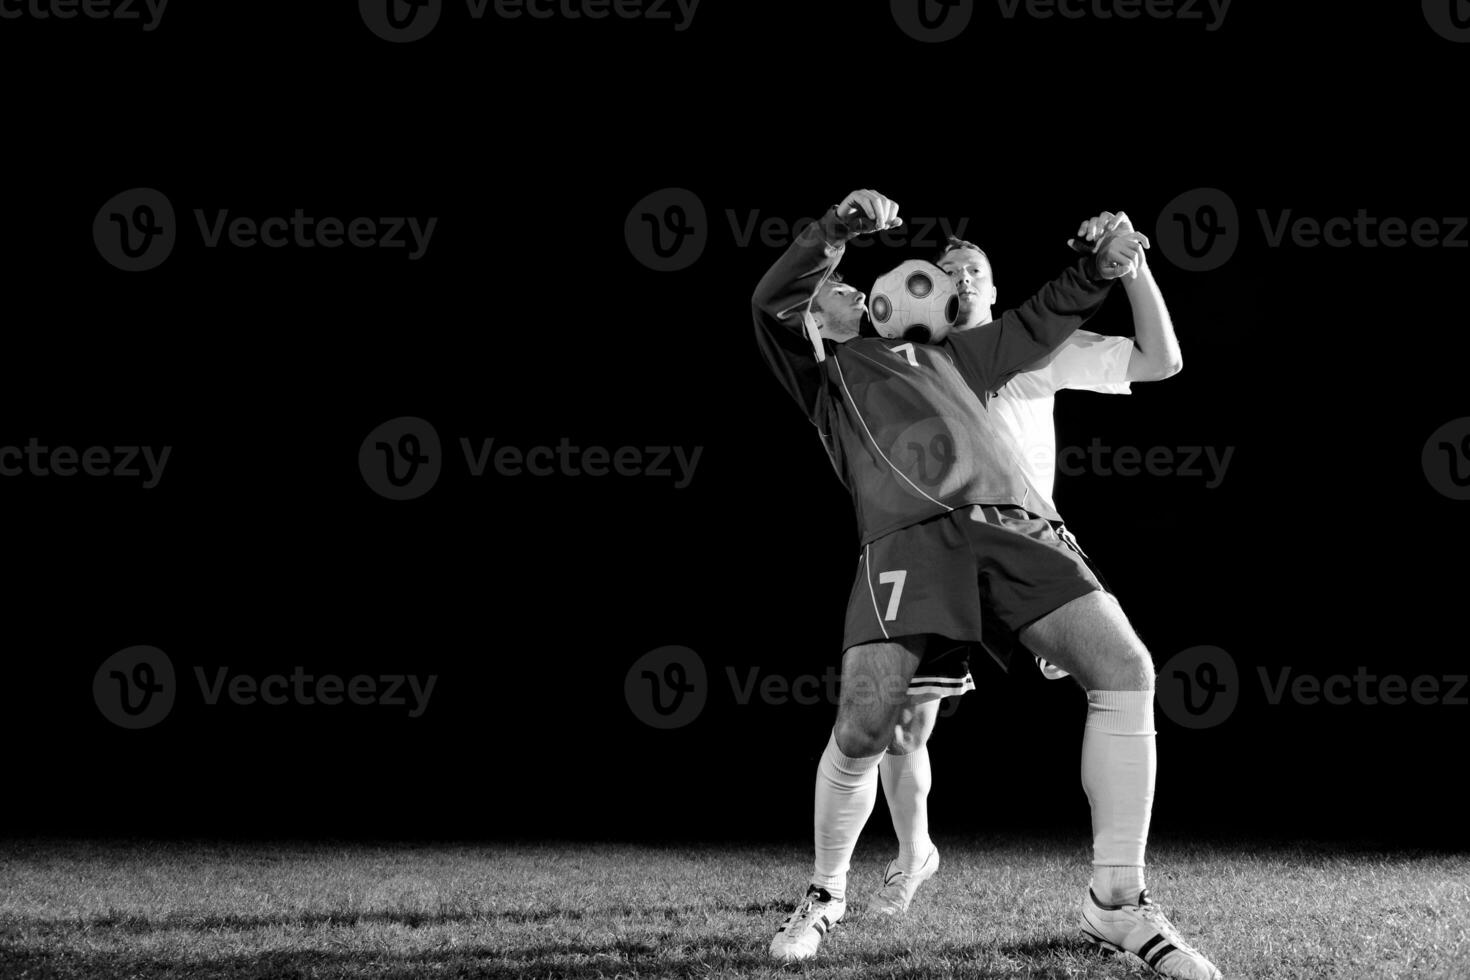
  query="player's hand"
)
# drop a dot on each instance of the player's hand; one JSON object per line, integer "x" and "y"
{"x": 1121, "y": 254}
{"x": 1098, "y": 229}
{"x": 1104, "y": 224}
{"x": 869, "y": 211}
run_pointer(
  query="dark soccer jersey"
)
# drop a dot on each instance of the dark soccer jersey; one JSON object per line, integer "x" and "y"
{"x": 908, "y": 426}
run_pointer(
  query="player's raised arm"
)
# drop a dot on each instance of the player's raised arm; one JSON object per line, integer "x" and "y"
{"x": 990, "y": 354}
{"x": 785, "y": 332}
{"x": 1156, "y": 353}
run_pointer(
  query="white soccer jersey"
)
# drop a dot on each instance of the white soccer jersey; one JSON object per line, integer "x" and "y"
{"x": 1087, "y": 361}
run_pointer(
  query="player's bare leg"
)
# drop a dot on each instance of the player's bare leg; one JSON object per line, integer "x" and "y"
{"x": 874, "y": 692}
{"x": 1091, "y": 638}
{"x": 906, "y": 779}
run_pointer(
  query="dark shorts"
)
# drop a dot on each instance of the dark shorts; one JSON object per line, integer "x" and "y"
{"x": 975, "y": 576}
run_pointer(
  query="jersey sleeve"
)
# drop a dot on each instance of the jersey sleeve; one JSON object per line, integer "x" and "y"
{"x": 784, "y": 330}
{"x": 1091, "y": 362}
{"x": 990, "y": 355}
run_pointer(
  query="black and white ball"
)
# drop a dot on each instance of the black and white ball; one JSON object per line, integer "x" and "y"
{"x": 916, "y": 294}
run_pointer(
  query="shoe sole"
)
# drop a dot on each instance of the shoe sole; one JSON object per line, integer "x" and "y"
{"x": 1105, "y": 947}
{"x": 1113, "y": 949}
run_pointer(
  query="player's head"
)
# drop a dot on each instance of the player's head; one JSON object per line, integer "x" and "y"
{"x": 969, "y": 269}
{"x": 838, "y": 309}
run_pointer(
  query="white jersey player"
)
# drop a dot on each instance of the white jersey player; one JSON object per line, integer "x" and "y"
{"x": 1087, "y": 362}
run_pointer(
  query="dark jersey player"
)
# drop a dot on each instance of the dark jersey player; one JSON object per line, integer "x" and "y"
{"x": 952, "y": 534}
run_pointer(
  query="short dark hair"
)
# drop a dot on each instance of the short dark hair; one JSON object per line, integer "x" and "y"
{"x": 955, "y": 243}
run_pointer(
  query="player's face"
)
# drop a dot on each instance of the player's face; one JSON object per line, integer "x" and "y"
{"x": 840, "y": 309}
{"x": 970, "y": 273}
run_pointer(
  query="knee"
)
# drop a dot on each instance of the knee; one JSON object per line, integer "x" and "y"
{"x": 857, "y": 739}
{"x": 1127, "y": 668}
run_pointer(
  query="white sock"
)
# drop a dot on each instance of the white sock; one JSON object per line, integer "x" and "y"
{"x": 906, "y": 782}
{"x": 846, "y": 791}
{"x": 1119, "y": 761}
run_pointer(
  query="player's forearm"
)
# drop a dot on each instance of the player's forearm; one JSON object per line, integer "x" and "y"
{"x": 789, "y": 285}
{"x": 782, "y": 298}
{"x": 1041, "y": 324}
{"x": 1153, "y": 332}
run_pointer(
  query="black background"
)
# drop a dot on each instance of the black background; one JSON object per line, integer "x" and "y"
{"x": 530, "y": 319}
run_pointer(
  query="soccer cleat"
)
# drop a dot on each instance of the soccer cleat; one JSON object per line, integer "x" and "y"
{"x": 1144, "y": 931}
{"x": 899, "y": 887}
{"x": 802, "y": 932}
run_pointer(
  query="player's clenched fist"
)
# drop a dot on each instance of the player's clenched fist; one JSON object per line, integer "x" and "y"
{"x": 1119, "y": 249}
{"x": 869, "y": 211}
{"x": 1121, "y": 255}
{"x": 1094, "y": 228}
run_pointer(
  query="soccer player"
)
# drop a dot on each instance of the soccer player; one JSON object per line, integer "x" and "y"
{"x": 908, "y": 430}
{"x": 945, "y": 512}
{"x": 1085, "y": 361}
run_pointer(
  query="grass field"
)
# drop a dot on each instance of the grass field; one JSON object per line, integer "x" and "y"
{"x": 999, "y": 908}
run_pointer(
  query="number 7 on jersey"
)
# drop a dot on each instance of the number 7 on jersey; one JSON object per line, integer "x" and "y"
{"x": 896, "y": 580}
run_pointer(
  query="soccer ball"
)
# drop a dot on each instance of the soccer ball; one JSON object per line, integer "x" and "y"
{"x": 916, "y": 294}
